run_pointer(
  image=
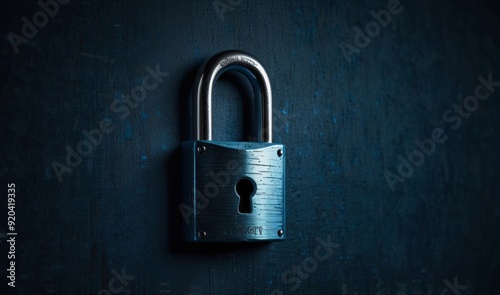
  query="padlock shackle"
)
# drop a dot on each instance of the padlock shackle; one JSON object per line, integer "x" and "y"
{"x": 209, "y": 72}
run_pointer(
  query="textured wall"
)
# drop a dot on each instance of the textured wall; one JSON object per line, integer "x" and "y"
{"x": 349, "y": 106}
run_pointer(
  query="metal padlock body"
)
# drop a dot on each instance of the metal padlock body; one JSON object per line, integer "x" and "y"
{"x": 215, "y": 167}
{"x": 213, "y": 171}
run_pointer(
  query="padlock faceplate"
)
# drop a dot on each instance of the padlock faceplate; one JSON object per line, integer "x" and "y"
{"x": 215, "y": 167}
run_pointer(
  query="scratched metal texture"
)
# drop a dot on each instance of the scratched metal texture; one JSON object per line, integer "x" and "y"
{"x": 344, "y": 124}
{"x": 212, "y": 176}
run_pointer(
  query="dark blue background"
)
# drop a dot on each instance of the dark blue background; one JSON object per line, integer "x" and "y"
{"x": 344, "y": 123}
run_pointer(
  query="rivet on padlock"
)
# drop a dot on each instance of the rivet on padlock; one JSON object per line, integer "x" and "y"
{"x": 233, "y": 191}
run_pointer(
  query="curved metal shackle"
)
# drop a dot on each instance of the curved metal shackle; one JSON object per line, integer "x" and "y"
{"x": 209, "y": 72}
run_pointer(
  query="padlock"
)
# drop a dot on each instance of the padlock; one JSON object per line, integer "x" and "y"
{"x": 232, "y": 191}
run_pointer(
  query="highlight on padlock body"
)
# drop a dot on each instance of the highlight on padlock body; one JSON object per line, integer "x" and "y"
{"x": 233, "y": 191}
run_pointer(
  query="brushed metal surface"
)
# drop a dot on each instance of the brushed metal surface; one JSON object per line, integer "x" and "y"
{"x": 212, "y": 169}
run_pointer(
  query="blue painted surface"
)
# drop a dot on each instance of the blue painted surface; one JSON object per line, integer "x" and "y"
{"x": 344, "y": 121}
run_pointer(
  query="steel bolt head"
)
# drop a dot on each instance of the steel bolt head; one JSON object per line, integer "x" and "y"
{"x": 201, "y": 149}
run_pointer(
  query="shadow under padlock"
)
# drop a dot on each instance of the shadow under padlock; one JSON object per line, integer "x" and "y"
{"x": 232, "y": 191}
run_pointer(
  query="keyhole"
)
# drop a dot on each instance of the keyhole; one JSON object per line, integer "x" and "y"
{"x": 245, "y": 188}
